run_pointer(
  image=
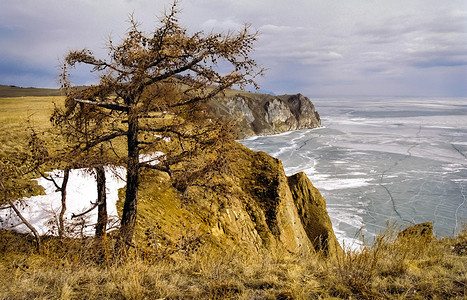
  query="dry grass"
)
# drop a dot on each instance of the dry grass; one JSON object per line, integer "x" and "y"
{"x": 20, "y": 113}
{"x": 63, "y": 272}
{"x": 68, "y": 269}
{"x": 16, "y": 111}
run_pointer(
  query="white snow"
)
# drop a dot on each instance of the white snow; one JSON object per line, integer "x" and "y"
{"x": 42, "y": 211}
{"x": 152, "y": 158}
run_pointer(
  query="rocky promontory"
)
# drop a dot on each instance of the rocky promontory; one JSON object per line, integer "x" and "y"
{"x": 251, "y": 206}
{"x": 248, "y": 203}
{"x": 262, "y": 114}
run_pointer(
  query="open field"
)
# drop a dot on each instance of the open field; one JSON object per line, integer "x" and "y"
{"x": 18, "y": 113}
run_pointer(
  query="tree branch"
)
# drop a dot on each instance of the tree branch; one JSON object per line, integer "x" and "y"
{"x": 94, "y": 205}
{"x": 158, "y": 167}
{"x": 105, "y": 104}
{"x": 106, "y": 138}
{"x": 49, "y": 178}
{"x": 176, "y": 71}
{"x": 213, "y": 93}
{"x": 23, "y": 219}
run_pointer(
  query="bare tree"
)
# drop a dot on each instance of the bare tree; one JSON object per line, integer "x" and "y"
{"x": 147, "y": 95}
{"x": 39, "y": 156}
{"x": 101, "y": 202}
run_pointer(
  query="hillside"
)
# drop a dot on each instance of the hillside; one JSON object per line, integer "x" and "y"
{"x": 7, "y": 91}
{"x": 250, "y": 205}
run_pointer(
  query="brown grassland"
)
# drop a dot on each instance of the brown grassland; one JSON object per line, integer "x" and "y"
{"x": 67, "y": 269}
{"x": 389, "y": 268}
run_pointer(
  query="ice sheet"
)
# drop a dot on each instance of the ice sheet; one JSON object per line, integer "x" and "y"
{"x": 400, "y": 160}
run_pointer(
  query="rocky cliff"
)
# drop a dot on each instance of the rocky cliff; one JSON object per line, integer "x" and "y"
{"x": 261, "y": 114}
{"x": 251, "y": 205}
{"x": 246, "y": 202}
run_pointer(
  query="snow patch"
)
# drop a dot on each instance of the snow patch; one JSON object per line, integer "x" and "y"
{"x": 42, "y": 211}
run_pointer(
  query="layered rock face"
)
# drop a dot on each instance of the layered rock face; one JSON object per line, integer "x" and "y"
{"x": 251, "y": 206}
{"x": 260, "y": 114}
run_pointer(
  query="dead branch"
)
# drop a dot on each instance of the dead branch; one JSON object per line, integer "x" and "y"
{"x": 23, "y": 219}
{"x": 94, "y": 205}
{"x": 105, "y": 104}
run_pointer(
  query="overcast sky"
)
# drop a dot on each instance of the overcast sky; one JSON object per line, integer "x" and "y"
{"x": 315, "y": 47}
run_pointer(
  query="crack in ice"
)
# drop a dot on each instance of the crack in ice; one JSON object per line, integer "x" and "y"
{"x": 391, "y": 198}
{"x": 458, "y": 150}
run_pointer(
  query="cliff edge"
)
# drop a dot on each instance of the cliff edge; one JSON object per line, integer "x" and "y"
{"x": 262, "y": 114}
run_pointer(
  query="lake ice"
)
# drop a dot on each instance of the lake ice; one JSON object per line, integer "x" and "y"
{"x": 378, "y": 160}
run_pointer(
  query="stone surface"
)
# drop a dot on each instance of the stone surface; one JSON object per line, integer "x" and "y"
{"x": 238, "y": 108}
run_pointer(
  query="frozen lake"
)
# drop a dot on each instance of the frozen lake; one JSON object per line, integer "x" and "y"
{"x": 400, "y": 160}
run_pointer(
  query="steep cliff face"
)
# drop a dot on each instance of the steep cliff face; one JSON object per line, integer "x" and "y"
{"x": 260, "y": 114}
{"x": 311, "y": 208}
{"x": 251, "y": 206}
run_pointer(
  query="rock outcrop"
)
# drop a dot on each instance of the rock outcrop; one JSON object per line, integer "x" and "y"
{"x": 252, "y": 206}
{"x": 261, "y": 114}
{"x": 422, "y": 230}
{"x": 249, "y": 203}
{"x": 311, "y": 208}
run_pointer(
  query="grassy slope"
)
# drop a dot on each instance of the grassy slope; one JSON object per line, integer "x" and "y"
{"x": 415, "y": 269}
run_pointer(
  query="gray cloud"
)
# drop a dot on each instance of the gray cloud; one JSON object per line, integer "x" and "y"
{"x": 318, "y": 47}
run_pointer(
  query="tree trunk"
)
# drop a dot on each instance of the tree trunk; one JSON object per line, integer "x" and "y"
{"x": 132, "y": 182}
{"x": 61, "y": 226}
{"x": 101, "y": 202}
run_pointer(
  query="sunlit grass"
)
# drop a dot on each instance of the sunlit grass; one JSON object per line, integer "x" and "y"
{"x": 390, "y": 269}
{"x": 17, "y": 114}
{"x": 16, "y": 111}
